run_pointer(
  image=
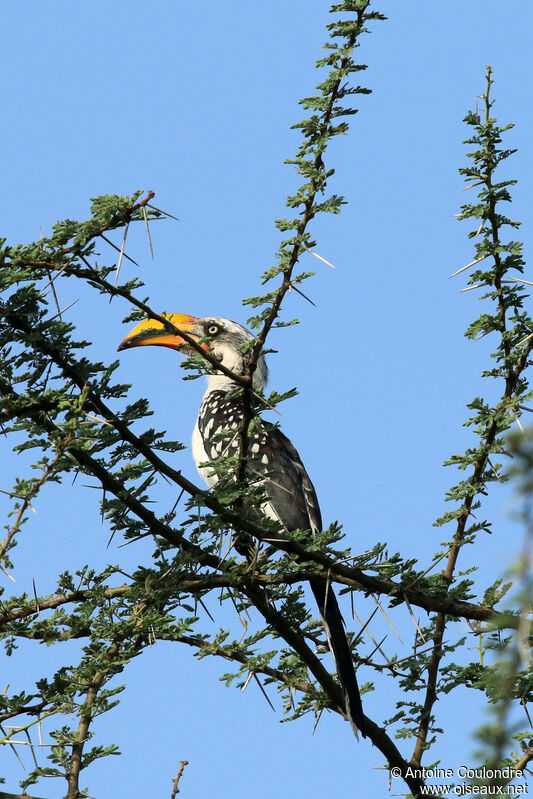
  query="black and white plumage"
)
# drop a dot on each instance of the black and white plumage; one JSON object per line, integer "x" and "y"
{"x": 272, "y": 461}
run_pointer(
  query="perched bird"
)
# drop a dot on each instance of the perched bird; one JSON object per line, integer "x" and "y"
{"x": 271, "y": 459}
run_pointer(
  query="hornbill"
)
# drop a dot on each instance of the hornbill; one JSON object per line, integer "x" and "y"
{"x": 291, "y": 498}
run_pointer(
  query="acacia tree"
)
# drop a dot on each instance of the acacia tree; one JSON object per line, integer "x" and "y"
{"x": 67, "y": 409}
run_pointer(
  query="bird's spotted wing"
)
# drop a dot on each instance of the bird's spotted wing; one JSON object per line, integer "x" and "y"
{"x": 292, "y": 497}
{"x": 272, "y": 461}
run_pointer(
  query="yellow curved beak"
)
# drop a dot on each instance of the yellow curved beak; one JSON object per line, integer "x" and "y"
{"x": 150, "y": 331}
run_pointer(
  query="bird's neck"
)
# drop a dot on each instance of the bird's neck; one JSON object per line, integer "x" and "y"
{"x": 219, "y": 382}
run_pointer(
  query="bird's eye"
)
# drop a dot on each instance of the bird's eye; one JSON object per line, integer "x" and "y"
{"x": 212, "y": 330}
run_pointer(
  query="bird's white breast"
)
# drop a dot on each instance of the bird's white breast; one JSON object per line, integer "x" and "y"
{"x": 200, "y": 456}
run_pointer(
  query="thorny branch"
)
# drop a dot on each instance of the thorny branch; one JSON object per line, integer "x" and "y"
{"x": 476, "y": 481}
{"x": 31, "y": 494}
{"x": 250, "y": 589}
{"x": 177, "y": 778}
{"x": 346, "y": 574}
{"x": 317, "y": 184}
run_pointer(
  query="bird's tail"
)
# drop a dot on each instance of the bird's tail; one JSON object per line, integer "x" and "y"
{"x": 338, "y": 644}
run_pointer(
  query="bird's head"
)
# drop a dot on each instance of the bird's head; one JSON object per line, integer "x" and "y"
{"x": 227, "y": 341}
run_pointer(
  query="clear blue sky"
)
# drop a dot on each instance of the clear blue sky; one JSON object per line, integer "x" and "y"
{"x": 195, "y": 101}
